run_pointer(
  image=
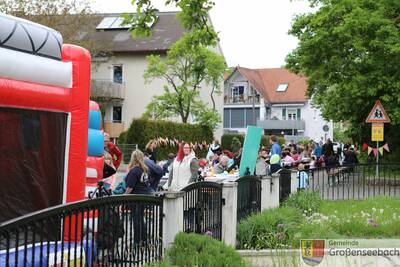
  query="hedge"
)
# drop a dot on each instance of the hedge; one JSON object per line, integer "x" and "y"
{"x": 190, "y": 250}
{"x": 141, "y": 131}
{"x": 226, "y": 140}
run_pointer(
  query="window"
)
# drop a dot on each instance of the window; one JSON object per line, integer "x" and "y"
{"x": 282, "y": 87}
{"x": 227, "y": 118}
{"x": 249, "y": 116}
{"x": 292, "y": 114}
{"x": 117, "y": 114}
{"x": 237, "y": 91}
{"x": 240, "y": 117}
{"x": 117, "y": 73}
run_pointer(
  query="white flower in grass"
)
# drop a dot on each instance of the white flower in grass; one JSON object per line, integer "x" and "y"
{"x": 373, "y": 209}
{"x": 381, "y": 211}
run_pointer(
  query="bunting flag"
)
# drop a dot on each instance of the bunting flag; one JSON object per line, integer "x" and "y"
{"x": 375, "y": 152}
{"x": 174, "y": 142}
{"x": 381, "y": 150}
{"x": 369, "y": 150}
{"x": 364, "y": 147}
{"x": 386, "y": 147}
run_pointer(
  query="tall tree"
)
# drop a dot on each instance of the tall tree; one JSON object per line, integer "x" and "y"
{"x": 185, "y": 69}
{"x": 71, "y": 18}
{"x": 350, "y": 52}
{"x": 193, "y": 15}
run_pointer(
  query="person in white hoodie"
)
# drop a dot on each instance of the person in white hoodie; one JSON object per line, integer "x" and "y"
{"x": 184, "y": 168}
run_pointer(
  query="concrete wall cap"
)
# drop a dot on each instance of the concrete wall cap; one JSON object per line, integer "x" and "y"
{"x": 173, "y": 194}
{"x": 229, "y": 184}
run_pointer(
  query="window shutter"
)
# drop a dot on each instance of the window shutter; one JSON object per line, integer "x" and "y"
{"x": 284, "y": 114}
{"x": 298, "y": 114}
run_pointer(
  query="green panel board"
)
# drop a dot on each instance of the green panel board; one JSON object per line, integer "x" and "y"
{"x": 250, "y": 149}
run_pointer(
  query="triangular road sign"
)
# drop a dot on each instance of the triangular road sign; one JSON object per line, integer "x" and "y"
{"x": 378, "y": 114}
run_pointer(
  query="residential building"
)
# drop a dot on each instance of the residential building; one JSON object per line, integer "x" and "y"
{"x": 274, "y": 99}
{"x": 117, "y": 76}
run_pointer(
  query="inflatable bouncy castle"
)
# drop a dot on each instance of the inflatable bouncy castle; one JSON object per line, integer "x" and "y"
{"x": 44, "y": 110}
{"x": 95, "y": 158}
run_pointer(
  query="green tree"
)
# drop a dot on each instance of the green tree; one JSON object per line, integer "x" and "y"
{"x": 350, "y": 52}
{"x": 193, "y": 15}
{"x": 185, "y": 69}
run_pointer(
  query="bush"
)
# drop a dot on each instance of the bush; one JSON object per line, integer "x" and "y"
{"x": 201, "y": 251}
{"x": 141, "y": 131}
{"x": 274, "y": 228}
{"x": 308, "y": 202}
{"x": 226, "y": 140}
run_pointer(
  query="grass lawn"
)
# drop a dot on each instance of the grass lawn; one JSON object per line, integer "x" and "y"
{"x": 377, "y": 217}
{"x": 306, "y": 216}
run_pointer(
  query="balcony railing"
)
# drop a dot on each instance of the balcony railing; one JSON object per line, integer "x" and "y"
{"x": 271, "y": 124}
{"x": 114, "y": 129}
{"x": 242, "y": 99}
{"x": 107, "y": 89}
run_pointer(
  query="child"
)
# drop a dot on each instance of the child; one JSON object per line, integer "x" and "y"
{"x": 313, "y": 163}
{"x": 303, "y": 178}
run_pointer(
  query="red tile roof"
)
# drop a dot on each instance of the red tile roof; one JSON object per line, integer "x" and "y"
{"x": 266, "y": 82}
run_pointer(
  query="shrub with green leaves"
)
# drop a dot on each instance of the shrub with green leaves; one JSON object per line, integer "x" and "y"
{"x": 190, "y": 250}
{"x": 308, "y": 202}
{"x": 226, "y": 140}
{"x": 141, "y": 131}
{"x": 273, "y": 228}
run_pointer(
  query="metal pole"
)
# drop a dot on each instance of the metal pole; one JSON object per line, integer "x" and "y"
{"x": 254, "y": 109}
{"x": 377, "y": 161}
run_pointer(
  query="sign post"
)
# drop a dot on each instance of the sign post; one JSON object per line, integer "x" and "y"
{"x": 377, "y": 117}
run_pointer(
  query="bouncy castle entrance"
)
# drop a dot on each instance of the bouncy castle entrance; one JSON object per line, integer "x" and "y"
{"x": 32, "y": 145}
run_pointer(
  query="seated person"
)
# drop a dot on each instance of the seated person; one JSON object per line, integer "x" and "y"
{"x": 294, "y": 155}
{"x": 216, "y": 159}
{"x": 222, "y": 166}
{"x": 287, "y": 160}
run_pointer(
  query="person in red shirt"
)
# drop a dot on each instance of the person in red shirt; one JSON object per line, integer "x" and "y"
{"x": 114, "y": 151}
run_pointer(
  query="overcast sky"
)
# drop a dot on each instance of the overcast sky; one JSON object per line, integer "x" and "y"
{"x": 253, "y": 33}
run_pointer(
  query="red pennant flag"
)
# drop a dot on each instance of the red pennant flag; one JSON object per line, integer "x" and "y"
{"x": 386, "y": 147}
{"x": 364, "y": 147}
{"x": 375, "y": 152}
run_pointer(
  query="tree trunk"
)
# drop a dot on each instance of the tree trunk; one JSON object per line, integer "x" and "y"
{"x": 212, "y": 97}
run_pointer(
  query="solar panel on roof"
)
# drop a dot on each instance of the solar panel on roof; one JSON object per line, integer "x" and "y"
{"x": 118, "y": 24}
{"x": 106, "y": 23}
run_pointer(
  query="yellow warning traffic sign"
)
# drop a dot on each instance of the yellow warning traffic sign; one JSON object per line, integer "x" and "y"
{"x": 377, "y": 132}
{"x": 378, "y": 114}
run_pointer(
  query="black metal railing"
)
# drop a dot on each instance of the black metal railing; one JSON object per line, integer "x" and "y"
{"x": 355, "y": 181}
{"x": 202, "y": 209}
{"x": 110, "y": 231}
{"x": 248, "y": 196}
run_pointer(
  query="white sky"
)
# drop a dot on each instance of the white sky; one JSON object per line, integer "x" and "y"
{"x": 253, "y": 33}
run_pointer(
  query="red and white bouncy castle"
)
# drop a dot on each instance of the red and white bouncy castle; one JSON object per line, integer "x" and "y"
{"x": 44, "y": 110}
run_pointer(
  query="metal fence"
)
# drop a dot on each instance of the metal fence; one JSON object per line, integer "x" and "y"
{"x": 127, "y": 150}
{"x": 111, "y": 231}
{"x": 202, "y": 209}
{"x": 248, "y": 196}
{"x": 355, "y": 181}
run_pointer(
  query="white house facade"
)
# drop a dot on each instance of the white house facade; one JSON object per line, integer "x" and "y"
{"x": 117, "y": 76}
{"x": 274, "y": 99}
